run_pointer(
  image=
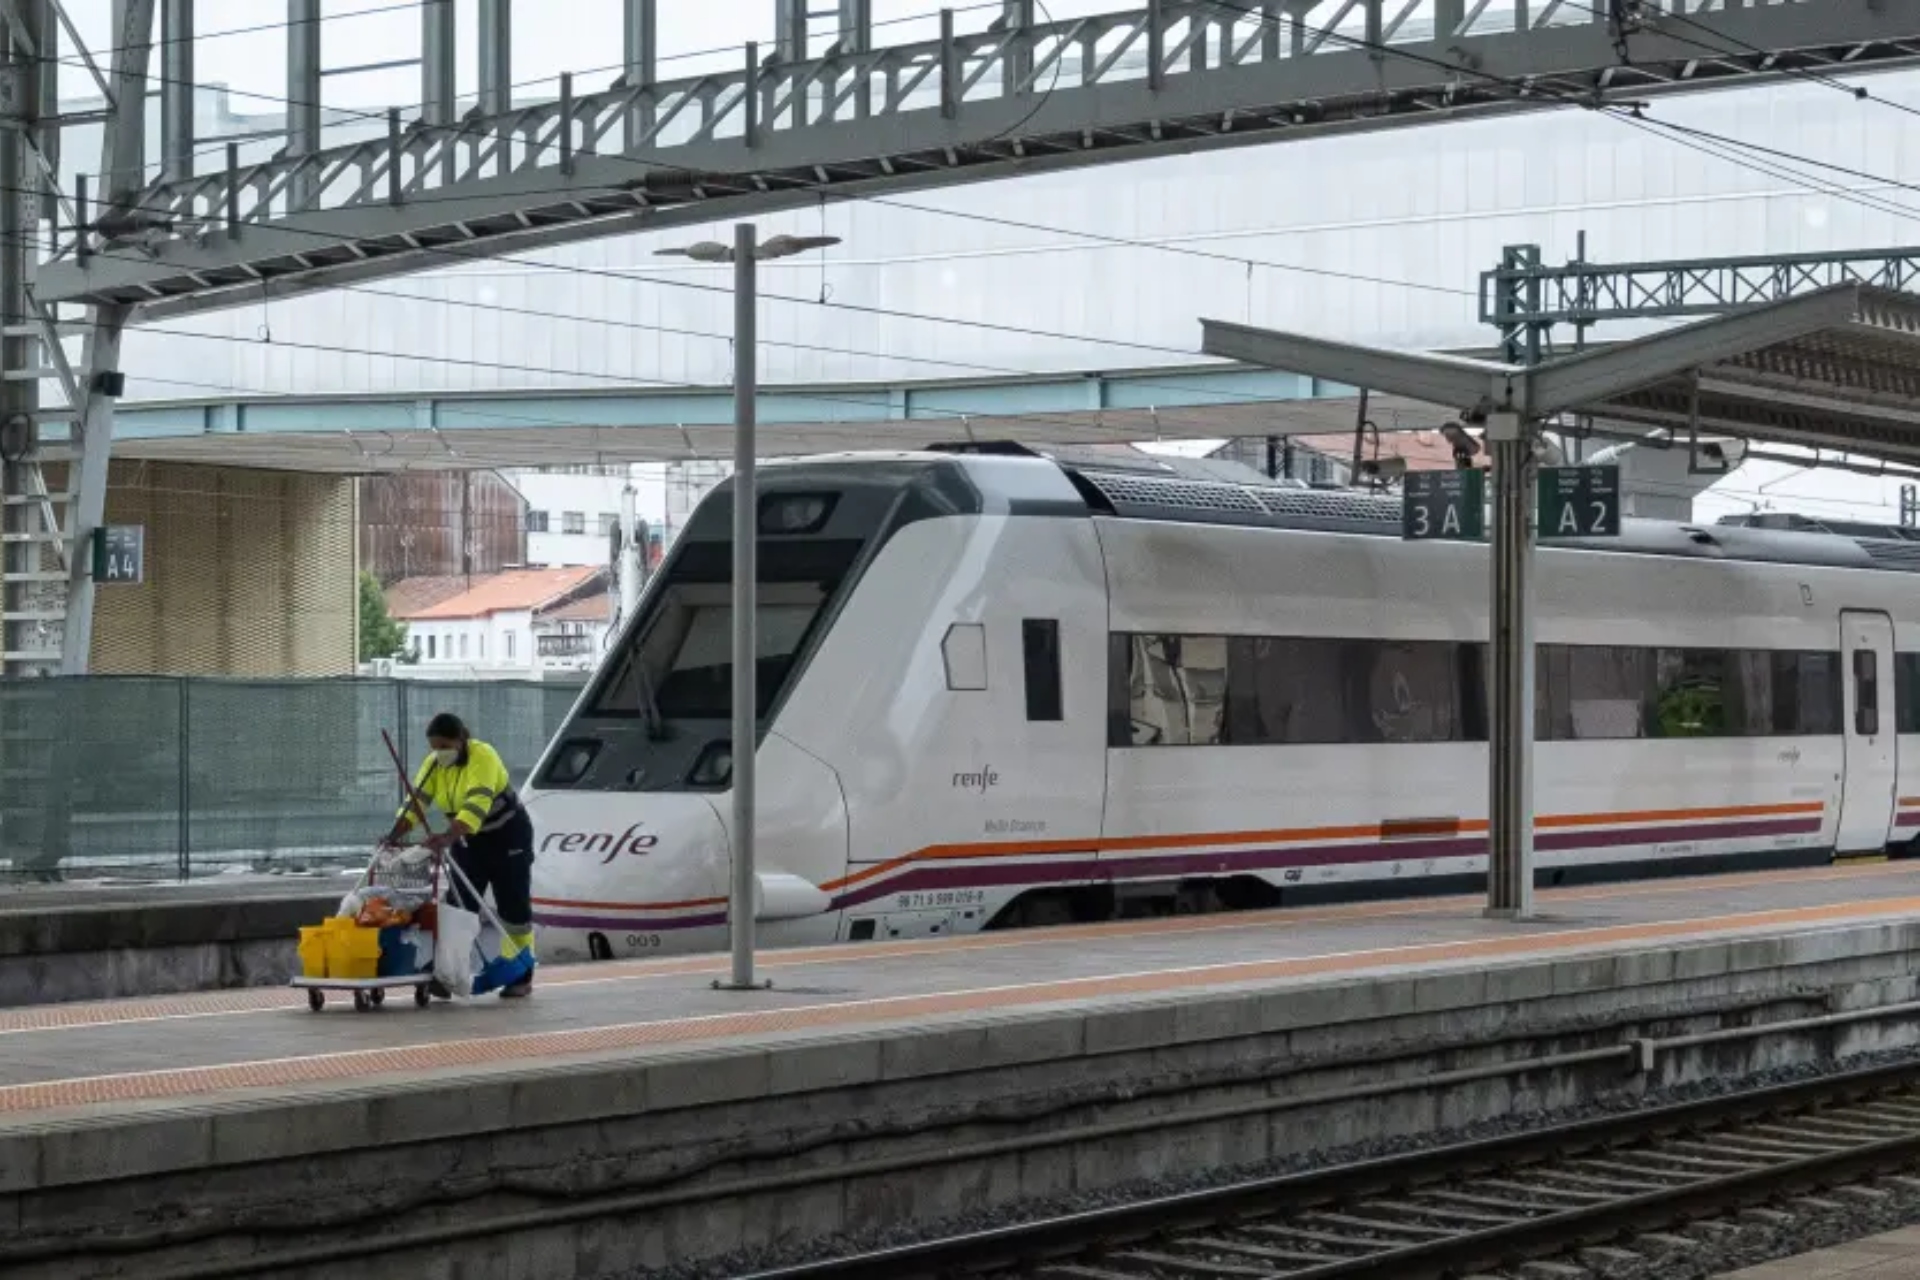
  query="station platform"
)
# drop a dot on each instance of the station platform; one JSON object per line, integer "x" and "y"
{"x": 640, "y": 1075}
{"x": 104, "y": 941}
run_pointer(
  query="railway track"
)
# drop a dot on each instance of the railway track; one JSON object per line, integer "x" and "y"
{"x": 1457, "y": 1210}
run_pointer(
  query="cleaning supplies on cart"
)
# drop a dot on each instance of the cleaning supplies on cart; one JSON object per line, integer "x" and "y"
{"x": 454, "y": 958}
{"x": 352, "y": 952}
{"x": 313, "y": 952}
{"x": 404, "y": 950}
{"x": 382, "y": 906}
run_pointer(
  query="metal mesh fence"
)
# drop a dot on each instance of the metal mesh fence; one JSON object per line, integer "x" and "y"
{"x": 162, "y": 778}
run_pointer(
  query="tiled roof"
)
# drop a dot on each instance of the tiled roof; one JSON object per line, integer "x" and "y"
{"x": 510, "y": 589}
{"x": 410, "y": 595}
{"x": 594, "y": 608}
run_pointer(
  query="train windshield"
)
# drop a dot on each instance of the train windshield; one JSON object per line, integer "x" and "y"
{"x": 682, "y": 666}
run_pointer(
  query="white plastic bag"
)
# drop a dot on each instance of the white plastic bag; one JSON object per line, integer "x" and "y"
{"x": 453, "y": 951}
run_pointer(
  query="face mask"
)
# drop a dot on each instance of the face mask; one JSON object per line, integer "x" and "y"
{"x": 447, "y": 759}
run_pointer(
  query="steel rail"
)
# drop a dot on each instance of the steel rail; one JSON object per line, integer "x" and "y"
{"x": 1102, "y": 1232}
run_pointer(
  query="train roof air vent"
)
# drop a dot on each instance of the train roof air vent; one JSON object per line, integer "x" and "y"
{"x": 1177, "y": 495}
{"x": 1889, "y": 553}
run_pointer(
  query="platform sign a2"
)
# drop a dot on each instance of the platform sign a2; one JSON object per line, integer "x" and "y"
{"x": 1443, "y": 506}
{"x": 1579, "y": 502}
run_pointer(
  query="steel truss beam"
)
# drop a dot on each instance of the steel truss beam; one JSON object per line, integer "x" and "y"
{"x": 1170, "y": 77}
{"x": 1590, "y": 292}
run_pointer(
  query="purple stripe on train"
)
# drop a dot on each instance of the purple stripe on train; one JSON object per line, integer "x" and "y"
{"x": 1008, "y": 873}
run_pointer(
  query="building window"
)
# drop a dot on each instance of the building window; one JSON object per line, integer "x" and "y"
{"x": 536, "y": 522}
{"x": 483, "y": 644}
{"x": 463, "y": 644}
{"x": 573, "y": 522}
{"x": 607, "y": 522}
{"x": 509, "y": 646}
{"x": 432, "y": 648}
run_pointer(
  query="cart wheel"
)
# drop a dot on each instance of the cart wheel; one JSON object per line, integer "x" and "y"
{"x": 422, "y": 997}
{"x": 379, "y": 997}
{"x": 316, "y": 999}
{"x": 361, "y": 1001}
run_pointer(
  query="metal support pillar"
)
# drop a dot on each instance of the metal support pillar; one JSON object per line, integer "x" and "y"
{"x": 642, "y": 41}
{"x": 176, "y": 90}
{"x": 790, "y": 30}
{"x": 496, "y": 68}
{"x": 303, "y": 93}
{"x": 21, "y": 96}
{"x": 87, "y": 485}
{"x": 1510, "y": 748}
{"x": 123, "y": 160}
{"x": 856, "y": 38}
{"x": 1017, "y": 19}
{"x": 439, "y": 79}
{"x": 1510, "y": 754}
{"x": 746, "y": 724}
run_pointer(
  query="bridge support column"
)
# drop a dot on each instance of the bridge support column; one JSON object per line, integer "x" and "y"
{"x": 642, "y": 41}
{"x": 439, "y": 77}
{"x": 176, "y": 90}
{"x": 303, "y": 94}
{"x": 496, "y": 71}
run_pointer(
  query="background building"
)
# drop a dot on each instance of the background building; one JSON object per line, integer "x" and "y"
{"x": 428, "y": 523}
{"x": 487, "y": 630}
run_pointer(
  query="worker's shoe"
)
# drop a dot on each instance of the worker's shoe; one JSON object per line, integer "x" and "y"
{"x": 524, "y": 987}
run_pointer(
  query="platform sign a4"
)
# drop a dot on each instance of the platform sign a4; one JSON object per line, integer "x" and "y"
{"x": 1444, "y": 506}
{"x": 1579, "y": 502}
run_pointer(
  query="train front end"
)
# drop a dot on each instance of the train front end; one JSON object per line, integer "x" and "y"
{"x": 632, "y": 801}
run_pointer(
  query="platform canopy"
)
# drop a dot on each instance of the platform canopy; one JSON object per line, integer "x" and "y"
{"x": 371, "y": 435}
{"x": 1838, "y": 369}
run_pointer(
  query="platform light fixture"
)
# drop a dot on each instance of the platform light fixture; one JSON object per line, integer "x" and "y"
{"x": 746, "y": 251}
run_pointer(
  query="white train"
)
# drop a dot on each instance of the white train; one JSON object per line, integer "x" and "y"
{"x": 996, "y": 691}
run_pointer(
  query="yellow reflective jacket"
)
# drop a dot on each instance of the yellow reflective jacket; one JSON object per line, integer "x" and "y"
{"x": 477, "y": 792}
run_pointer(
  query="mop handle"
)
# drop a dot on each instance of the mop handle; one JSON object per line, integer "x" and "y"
{"x": 414, "y": 797}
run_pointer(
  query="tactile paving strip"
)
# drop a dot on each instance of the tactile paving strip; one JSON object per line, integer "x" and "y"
{"x": 413, "y": 1061}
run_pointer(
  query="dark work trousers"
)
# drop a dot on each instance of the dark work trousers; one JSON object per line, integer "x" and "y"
{"x": 503, "y": 861}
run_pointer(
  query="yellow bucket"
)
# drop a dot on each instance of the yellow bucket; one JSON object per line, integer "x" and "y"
{"x": 353, "y": 952}
{"x": 313, "y": 952}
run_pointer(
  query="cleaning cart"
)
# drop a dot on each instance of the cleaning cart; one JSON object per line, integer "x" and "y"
{"x": 384, "y": 937}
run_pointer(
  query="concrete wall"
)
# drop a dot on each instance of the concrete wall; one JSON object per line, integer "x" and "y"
{"x": 603, "y": 1165}
{"x": 247, "y": 573}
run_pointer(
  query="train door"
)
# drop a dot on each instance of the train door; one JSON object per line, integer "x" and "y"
{"x": 1867, "y": 791}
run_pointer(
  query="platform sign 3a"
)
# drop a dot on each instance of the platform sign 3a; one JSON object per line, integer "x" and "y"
{"x": 1444, "y": 505}
{"x": 1579, "y": 502}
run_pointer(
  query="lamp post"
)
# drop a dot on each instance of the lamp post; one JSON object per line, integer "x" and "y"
{"x": 745, "y": 252}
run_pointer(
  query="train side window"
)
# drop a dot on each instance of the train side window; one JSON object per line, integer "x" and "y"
{"x": 964, "y": 651}
{"x": 1906, "y": 692}
{"x": 1040, "y": 645}
{"x": 1866, "y": 692}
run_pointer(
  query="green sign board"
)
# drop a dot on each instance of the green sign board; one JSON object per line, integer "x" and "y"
{"x": 1579, "y": 502}
{"x": 1444, "y": 505}
{"x": 120, "y": 555}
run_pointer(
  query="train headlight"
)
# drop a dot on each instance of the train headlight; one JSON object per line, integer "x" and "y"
{"x": 714, "y": 768}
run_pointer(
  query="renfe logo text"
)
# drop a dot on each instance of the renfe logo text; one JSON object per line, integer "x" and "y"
{"x": 979, "y": 781}
{"x": 629, "y": 841}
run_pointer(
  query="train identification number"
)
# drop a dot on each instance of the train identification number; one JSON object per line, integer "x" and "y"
{"x": 939, "y": 898}
{"x": 643, "y": 941}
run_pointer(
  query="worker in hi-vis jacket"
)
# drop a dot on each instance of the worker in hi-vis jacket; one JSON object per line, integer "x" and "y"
{"x": 491, "y": 835}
